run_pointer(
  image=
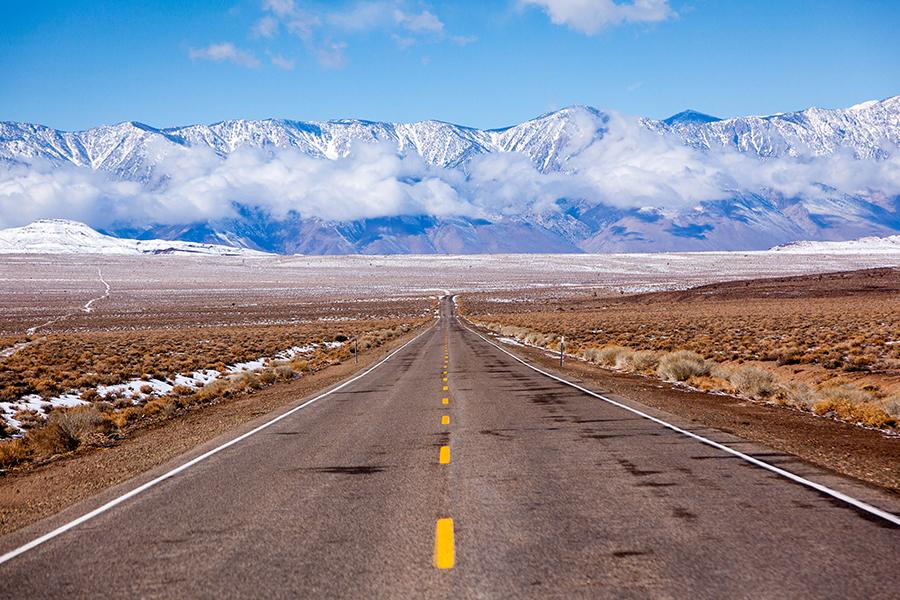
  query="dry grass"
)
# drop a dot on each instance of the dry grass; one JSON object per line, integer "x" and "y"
{"x": 62, "y": 362}
{"x": 681, "y": 365}
{"x": 66, "y": 430}
{"x": 739, "y": 338}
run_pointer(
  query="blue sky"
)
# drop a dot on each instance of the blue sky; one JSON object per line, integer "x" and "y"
{"x": 73, "y": 65}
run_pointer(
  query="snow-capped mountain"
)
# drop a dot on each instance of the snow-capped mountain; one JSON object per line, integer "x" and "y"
{"x": 863, "y": 129}
{"x": 59, "y": 236}
{"x": 866, "y": 245}
{"x": 127, "y": 148}
{"x": 590, "y": 181}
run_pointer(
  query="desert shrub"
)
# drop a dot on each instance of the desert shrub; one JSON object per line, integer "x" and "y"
{"x": 214, "y": 390}
{"x": 640, "y": 361}
{"x": 796, "y": 394}
{"x": 146, "y": 389}
{"x": 66, "y": 430}
{"x": 891, "y": 406}
{"x": 90, "y": 395}
{"x": 182, "y": 390}
{"x": 681, "y": 365}
{"x": 865, "y": 413}
{"x": 590, "y": 354}
{"x": 13, "y": 452}
{"x": 284, "y": 372}
{"x": 120, "y": 403}
{"x": 845, "y": 392}
{"x": 155, "y": 407}
{"x": 609, "y": 355}
{"x": 245, "y": 381}
{"x": 267, "y": 376}
{"x": 28, "y": 418}
{"x": 753, "y": 382}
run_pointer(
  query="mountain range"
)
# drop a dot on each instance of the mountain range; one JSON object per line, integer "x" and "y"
{"x": 574, "y": 180}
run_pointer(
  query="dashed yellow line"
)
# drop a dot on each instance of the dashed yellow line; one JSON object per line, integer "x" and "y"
{"x": 445, "y": 400}
{"x": 446, "y": 389}
{"x": 445, "y": 379}
{"x": 444, "y": 550}
{"x": 444, "y": 456}
{"x": 445, "y": 420}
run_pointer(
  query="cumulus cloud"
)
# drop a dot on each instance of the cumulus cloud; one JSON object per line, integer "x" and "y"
{"x": 224, "y": 52}
{"x": 592, "y": 16}
{"x": 627, "y": 166}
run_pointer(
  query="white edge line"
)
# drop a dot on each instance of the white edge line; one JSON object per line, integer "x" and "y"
{"x": 887, "y": 516}
{"x": 144, "y": 487}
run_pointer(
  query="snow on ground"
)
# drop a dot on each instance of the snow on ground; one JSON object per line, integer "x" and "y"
{"x": 872, "y": 245}
{"x": 159, "y": 387}
{"x": 59, "y": 236}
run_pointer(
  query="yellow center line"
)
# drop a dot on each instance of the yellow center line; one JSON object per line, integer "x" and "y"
{"x": 445, "y": 379}
{"x": 444, "y": 551}
{"x": 444, "y": 456}
{"x": 445, "y": 400}
{"x": 445, "y": 420}
{"x": 446, "y": 389}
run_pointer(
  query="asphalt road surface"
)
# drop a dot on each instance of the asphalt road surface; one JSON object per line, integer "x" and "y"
{"x": 514, "y": 486}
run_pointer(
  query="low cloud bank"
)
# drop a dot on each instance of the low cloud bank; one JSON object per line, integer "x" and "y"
{"x": 629, "y": 166}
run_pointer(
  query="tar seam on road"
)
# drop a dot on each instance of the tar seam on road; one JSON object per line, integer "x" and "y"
{"x": 887, "y": 516}
{"x": 128, "y": 495}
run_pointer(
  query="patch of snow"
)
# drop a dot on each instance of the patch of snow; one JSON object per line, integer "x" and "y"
{"x": 60, "y": 236}
{"x": 866, "y": 245}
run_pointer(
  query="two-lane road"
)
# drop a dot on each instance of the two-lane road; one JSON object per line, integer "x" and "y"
{"x": 505, "y": 484}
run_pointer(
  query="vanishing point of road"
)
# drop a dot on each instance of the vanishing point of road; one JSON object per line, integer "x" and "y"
{"x": 453, "y": 470}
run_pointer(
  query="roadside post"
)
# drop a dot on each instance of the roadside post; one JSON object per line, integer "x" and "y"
{"x": 562, "y": 349}
{"x": 356, "y": 348}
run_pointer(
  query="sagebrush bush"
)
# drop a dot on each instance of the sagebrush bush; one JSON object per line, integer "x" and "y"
{"x": 640, "y": 361}
{"x": 66, "y": 429}
{"x": 891, "y": 406}
{"x": 796, "y": 394}
{"x": 845, "y": 392}
{"x": 609, "y": 355}
{"x": 681, "y": 365}
{"x": 756, "y": 383}
{"x": 284, "y": 372}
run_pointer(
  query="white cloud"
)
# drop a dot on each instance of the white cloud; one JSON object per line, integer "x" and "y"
{"x": 628, "y": 166}
{"x": 592, "y": 16}
{"x": 321, "y": 29}
{"x": 281, "y": 62}
{"x": 330, "y": 54}
{"x": 224, "y": 52}
{"x": 266, "y": 27}
{"x": 423, "y": 22}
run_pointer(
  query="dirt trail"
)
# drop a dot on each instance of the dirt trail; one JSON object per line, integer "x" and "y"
{"x": 87, "y": 308}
